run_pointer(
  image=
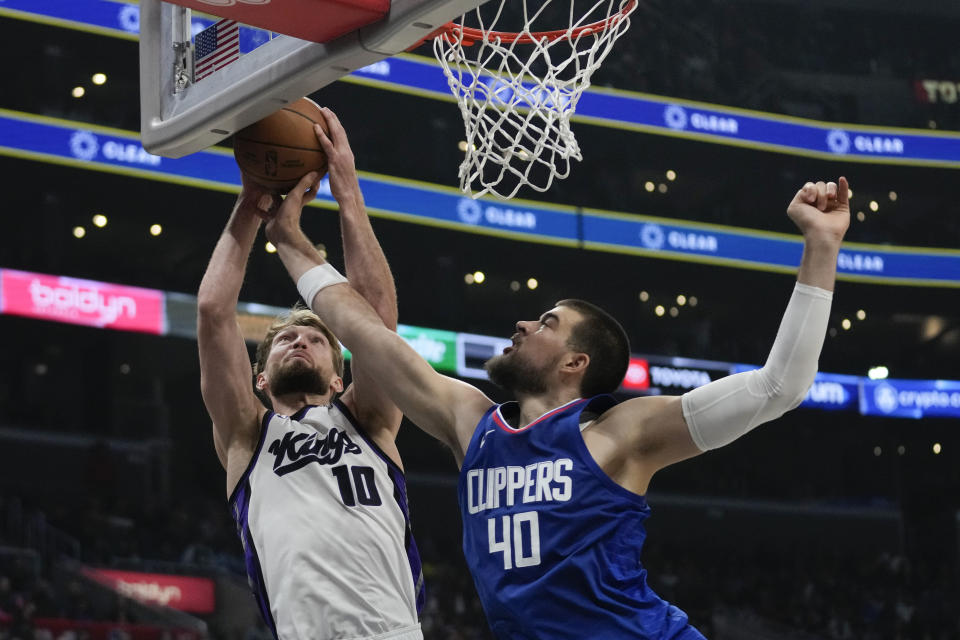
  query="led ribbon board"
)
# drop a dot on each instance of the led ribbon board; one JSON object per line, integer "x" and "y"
{"x": 602, "y": 107}
{"x": 910, "y": 398}
{"x": 706, "y": 122}
{"x": 110, "y": 306}
{"x": 715, "y": 244}
{"x": 115, "y": 151}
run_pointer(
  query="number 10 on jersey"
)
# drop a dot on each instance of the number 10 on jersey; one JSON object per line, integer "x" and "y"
{"x": 518, "y": 539}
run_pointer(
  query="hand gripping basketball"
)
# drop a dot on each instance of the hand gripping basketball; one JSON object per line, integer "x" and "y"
{"x": 344, "y": 184}
{"x": 284, "y": 223}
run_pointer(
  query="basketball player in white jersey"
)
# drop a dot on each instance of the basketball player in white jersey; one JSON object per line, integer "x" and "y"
{"x": 315, "y": 482}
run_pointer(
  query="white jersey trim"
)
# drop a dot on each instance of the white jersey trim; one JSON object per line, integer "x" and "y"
{"x": 509, "y": 428}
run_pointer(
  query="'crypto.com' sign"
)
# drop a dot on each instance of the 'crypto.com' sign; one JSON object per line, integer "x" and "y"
{"x": 86, "y": 302}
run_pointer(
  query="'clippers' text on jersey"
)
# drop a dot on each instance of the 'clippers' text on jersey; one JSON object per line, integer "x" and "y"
{"x": 552, "y": 542}
{"x": 543, "y": 481}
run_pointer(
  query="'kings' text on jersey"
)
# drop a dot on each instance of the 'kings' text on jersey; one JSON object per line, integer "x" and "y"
{"x": 323, "y": 518}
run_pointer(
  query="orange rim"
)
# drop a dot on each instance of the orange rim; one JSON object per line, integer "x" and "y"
{"x": 470, "y": 35}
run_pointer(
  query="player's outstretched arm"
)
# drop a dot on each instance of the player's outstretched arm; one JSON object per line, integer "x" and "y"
{"x": 367, "y": 270}
{"x": 443, "y": 407}
{"x": 225, "y": 376}
{"x": 676, "y": 428}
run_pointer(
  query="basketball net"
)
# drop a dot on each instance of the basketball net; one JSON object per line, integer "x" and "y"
{"x": 518, "y": 89}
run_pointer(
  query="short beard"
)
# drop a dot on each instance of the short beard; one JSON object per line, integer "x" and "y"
{"x": 516, "y": 375}
{"x": 298, "y": 377}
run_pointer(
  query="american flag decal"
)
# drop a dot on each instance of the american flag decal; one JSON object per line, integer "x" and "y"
{"x": 215, "y": 47}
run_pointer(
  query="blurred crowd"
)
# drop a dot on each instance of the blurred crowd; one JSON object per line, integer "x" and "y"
{"x": 27, "y": 595}
{"x": 831, "y": 594}
{"x": 836, "y": 595}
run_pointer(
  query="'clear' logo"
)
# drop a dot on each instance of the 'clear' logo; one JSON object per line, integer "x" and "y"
{"x": 675, "y": 116}
{"x": 651, "y": 235}
{"x": 469, "y": 211}
{"x": 472, "y": 212}
{"x": 129, "y": 18}
{"x": 84, "y": 145}
{"x": 838, "y": 141}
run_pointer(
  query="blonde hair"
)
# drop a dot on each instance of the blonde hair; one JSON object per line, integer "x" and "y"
{"x": 297, "y": 317}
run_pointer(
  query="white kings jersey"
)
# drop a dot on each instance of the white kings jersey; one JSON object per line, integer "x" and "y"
{"x": 322, "y": 514}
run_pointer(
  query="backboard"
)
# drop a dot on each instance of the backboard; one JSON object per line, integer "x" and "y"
{"x": 179, "y": 116}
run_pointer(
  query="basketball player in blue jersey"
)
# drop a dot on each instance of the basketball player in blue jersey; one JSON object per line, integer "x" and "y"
{"x": 315, "y": 483}
{"x": 552, "y": 485}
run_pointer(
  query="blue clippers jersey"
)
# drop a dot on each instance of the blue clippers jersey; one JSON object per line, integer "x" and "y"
{"x": 552, "y": 541}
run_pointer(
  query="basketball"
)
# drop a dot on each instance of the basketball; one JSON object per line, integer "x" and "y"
{"x": 282, "y": 148}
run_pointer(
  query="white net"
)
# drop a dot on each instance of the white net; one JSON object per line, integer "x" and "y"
{"x": 517, "y": 69}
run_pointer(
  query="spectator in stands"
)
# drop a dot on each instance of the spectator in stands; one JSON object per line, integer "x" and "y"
{"x": 6, "y": 595}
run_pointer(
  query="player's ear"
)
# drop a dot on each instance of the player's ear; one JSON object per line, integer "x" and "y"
{"x": 575, "y": 362}
{"x": 261, "y": 382}
{"x": 337, "y": 384}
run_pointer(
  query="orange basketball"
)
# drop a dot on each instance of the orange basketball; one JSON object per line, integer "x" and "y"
{"x": 282, "y": 148}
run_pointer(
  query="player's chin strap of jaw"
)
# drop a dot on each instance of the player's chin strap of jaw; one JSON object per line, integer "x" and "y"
{"x": 720, "y": 412}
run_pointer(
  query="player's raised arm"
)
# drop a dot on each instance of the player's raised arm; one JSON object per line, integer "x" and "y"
{"x": 443, "y": 407}
{"x": 675, "y": 428}
{"x": 225, "y": 375}
{"x": 367, "y": 270}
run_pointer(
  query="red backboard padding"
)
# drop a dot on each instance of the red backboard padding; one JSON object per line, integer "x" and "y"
{"x": 315, "y": 20}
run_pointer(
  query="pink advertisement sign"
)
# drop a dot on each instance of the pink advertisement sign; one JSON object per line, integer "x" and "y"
{"x": 85, "y": 302}
{"x": 186, "y": 593}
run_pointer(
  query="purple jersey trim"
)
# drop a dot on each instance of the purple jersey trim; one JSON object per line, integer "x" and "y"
{"x": 256, "y": 455}
{"x": 250, "y": 556}
{"x": 400, "y": 496}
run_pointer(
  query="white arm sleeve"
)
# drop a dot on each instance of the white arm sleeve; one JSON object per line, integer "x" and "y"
{"x": 720, "y": 412}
